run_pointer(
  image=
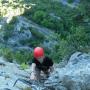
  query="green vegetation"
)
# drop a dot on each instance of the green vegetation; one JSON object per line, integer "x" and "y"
{"x": 6, "y": 52}
{"x": 39, "y": 16}
{"x": 71, "y": 27}
{"x": 27, "y": 89}
{"x": 36, "y": 40}
{"x": 21, "y": 57}
{"x": 30, "y": 42}
{"x": 8, "y": 31}
{"x": 40, "y": 13}
{"x": 77, "y": 41}
{"x": 23, "y": 66}
{"x": 8, "y": 28}
{"x": 70, "y": 1}
{"x": 36, "y": 34}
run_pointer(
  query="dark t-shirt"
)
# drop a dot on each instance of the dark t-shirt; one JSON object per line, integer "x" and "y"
{"x": 47, "y": 62}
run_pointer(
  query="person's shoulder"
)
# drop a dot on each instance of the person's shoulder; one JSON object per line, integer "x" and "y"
{"x": 50, "y": 61}
{"x": 48, "y": 58}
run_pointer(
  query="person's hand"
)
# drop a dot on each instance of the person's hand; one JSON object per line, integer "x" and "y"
{"x": 51, "y": 69}
{"x": 33, "y": 77}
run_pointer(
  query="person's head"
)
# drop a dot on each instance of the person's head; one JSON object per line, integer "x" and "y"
{"x": 39, "y": 53}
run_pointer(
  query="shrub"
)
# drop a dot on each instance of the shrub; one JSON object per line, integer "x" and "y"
{"x": 77, "y": 40}
{"x": 7, "y": 53}
{"x": 47, "y": 23}
{"x": 8, "y": 31}
{"x": 23, "y": 66}
{"x": 30, "y": 42}
{"x": 35, "y": 40}
{"x": 22, "y": 56}
{"x": 27, "y": 89}
{"x": 37, "y": 34}
{"x": 70, "y": 1}
{"x": 61, "y": 51}
{"x": 39, "y": 16}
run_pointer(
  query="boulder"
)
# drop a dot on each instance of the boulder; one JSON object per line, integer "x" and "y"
{"x": 9, "y": 73}
{"x": 74, "y": 76}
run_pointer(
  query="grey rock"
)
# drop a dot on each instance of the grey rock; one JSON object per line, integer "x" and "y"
{"x": 9, "y": 73}
{"x": 75, "y": 75}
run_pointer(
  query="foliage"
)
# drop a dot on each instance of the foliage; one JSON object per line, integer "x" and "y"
{"x": 7, "y": 53}
{"x": 36, "y": 40}
{"x": 8, "y": 28}
{"x": 22, "y": 56}
{"x": 70, "y": 1}
{"x": 23, "y": 66}
{"x": 37, "y": 34}
{"x": 78, "y": 40}
{"x": 8, "y": 31}
{"x": 73, "y": 28}
{"x": 30, "y": 42}
{"x": 27, "y": 89}
{"x": 39, "y": 16}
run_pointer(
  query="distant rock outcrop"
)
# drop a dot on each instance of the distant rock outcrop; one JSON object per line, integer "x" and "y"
{"x": 21, "y": 33}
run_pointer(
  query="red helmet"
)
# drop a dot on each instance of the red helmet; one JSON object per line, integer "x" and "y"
{"x": 38, "y": 52}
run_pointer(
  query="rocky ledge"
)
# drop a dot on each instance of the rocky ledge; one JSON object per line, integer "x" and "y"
{"x": 75, "y": 75}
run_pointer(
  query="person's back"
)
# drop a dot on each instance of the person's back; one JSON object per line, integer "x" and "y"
{"x": 40, "y": 63}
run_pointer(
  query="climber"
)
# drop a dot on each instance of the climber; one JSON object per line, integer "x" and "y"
{"x": 41, "y": 64}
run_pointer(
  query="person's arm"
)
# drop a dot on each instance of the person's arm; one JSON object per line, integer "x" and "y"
{"x": 33, "y": 73}
{"x": 51, "y": 66}
{"x": 33, "y": 67}
{"x": 51, "y": 69}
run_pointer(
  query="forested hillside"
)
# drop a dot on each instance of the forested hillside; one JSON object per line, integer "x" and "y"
{"x": 60, "y": 28}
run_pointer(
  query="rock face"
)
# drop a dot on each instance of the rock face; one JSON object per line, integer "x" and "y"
{"x": 21, "y": 33}
{"x": 74, "y": 76}
{"x": 9, "y": 73}
{"x": 74, "y": 3}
